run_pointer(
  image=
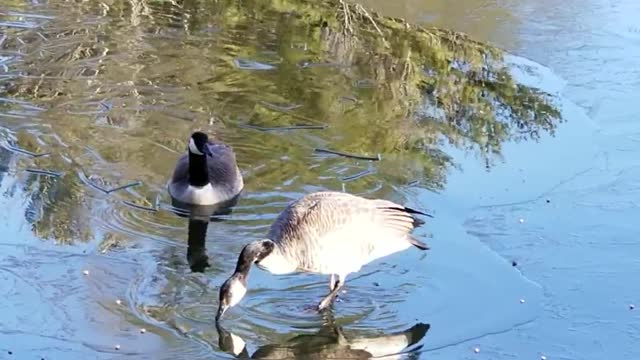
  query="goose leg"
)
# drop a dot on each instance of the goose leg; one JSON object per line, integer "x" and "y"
{"x": 332, "y": 282}
{"x": 328, "y": 300}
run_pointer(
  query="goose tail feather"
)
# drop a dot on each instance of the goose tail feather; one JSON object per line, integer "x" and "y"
{"x": 417, "y": 243}
{"x": 407, "y": 210}
{"x": 414, "y": 211}
{"x": 417, "y": 222}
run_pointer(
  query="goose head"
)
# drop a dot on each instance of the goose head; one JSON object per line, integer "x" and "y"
{"x": 199, "y": 144}
{"x": 235, "y": 287}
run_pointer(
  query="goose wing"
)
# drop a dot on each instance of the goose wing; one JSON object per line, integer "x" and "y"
{"x": 320, "y": 227}
{"x": 219, "y": 148}
{"x": 181, "y": 170}
{"x": 222, "y": 166}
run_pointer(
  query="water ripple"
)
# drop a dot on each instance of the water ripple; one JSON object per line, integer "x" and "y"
{"x": 110, "y": 93}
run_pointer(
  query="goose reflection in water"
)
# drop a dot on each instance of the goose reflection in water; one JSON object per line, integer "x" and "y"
{"x": 330, "y": 343}
{"x": 196, "y": 250}
{"x": 199, "y": 218}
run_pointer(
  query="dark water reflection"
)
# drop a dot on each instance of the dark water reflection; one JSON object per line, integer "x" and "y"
{"x": 112, "y": 90}
{"x": 329, "y": 343}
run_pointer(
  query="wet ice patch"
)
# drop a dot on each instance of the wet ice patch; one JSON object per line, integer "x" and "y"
{"x": 532, "y": 74}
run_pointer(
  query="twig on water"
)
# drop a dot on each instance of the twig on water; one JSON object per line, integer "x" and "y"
{"x": 25, "y": 152}
{"x": 286, "y": 110}
{"x": 44, "y": 172}
{"x": 96, "y": 186}
{"x": 135, "y": 183}
{"x": 352, "y": 156}
{"x": 358, "y": 175}
{"x": 282, "y": 108}
{"x": 27, "y": 15}
{"x": 281, "y": 128}
{"x": 140, "y": 207}
{"x": 109, "y": 191}
{"x": 308, "y": 64}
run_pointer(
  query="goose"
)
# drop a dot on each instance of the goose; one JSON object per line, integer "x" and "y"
{"x": 207, "y": 174}
{"x": 330, "y": 233}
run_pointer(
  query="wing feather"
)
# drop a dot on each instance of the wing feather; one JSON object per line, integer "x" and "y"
{"x": 330, "y": 224}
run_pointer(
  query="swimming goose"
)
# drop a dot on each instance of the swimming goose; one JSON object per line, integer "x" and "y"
{"x": 331, "y": 233}
{"x": 207, "y": 174}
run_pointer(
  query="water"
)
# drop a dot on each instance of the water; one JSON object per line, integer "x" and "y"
{"x": 577, "y": 192}
{"x": 112, "y": 90}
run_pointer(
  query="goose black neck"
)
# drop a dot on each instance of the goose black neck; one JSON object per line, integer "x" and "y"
{"x": 245, "y": 260}
{"x": 198, "y": 172}
{"x": 251, "y": 253}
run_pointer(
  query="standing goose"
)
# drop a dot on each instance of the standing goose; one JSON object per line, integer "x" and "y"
{"x": 207, "y": 174}
{"x": 329, "y": 233}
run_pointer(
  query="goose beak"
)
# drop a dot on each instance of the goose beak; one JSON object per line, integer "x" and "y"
{"x": 207, "y": 151}
{"x": 221, "y": 310}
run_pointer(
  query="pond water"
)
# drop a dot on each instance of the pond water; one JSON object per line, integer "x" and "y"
{"x": 528, "y": 169}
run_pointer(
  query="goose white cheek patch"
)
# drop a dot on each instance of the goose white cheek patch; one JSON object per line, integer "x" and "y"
{"x": 193, "y": 148}
{"x": 237, "y": 293}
